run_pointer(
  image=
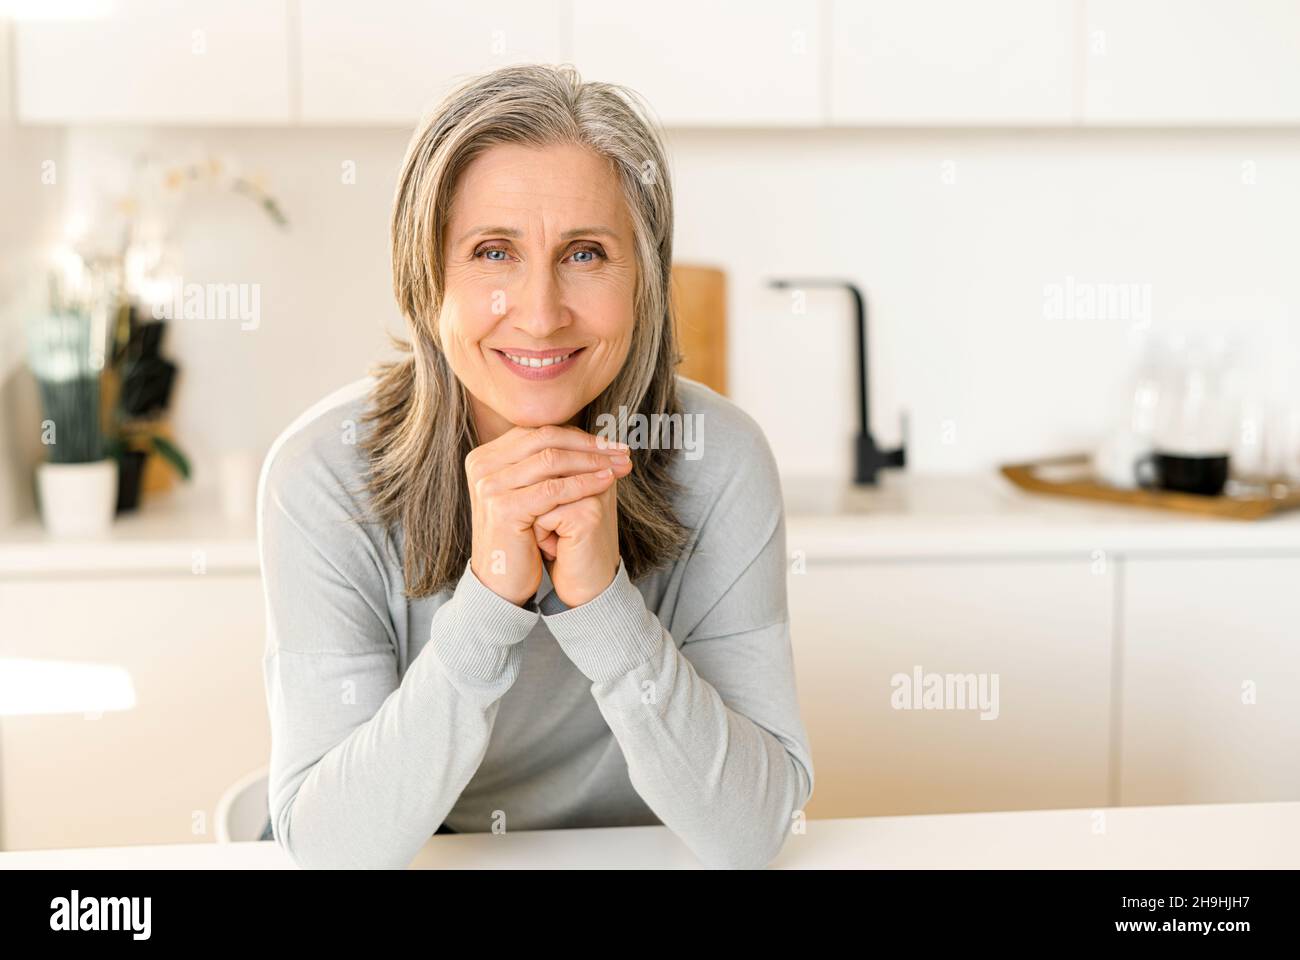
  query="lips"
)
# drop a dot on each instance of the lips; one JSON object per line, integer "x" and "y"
{"x": 538, "y": 364}
{"x": 532, "y": 360}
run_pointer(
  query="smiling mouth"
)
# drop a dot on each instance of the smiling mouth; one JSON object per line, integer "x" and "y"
{"x": 535, "y": 360}
{"x": 539, "y": 364}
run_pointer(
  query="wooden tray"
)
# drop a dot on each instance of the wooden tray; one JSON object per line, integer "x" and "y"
{"x": 1081, "y": 483}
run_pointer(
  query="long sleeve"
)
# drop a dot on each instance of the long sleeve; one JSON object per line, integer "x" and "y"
{"x": 364, "y": 767}
{"x": 711, "y": 733}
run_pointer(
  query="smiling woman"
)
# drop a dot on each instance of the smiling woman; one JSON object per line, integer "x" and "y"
{"x": 575, "y": 286}
{"x": 533, "y": 215}
{"x": 482, "y": 612}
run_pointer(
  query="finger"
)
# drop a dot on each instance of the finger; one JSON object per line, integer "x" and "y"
{"x": 547, "y": 541}
{"x": 542, "y": 497}
{"x": 570, "y": 518}
{"x": 519, "y": 443}
{"x": 554, "y": 462}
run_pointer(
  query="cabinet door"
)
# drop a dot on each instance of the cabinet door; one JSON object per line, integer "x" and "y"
{"x": 1210, "y": 672}
{"x": 950, "y": 62}
{"x": 398, "y": 58}
{"x": 1042, "y": 628}
{"x": 154, "y": 61}
{"x": 1208, "y": 62}
{"x": 708, "y": 64}
{"x": 193, "y": 647}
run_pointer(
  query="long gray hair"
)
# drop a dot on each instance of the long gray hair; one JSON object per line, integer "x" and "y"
{"x": 423, "y": 425}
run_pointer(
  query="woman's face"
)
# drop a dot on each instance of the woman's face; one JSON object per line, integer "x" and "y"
{"x": 540, "y": 276}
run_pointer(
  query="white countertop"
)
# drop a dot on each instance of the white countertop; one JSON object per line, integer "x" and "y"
{"x": 908, "y": 517}
{"x": 911, "y": 516}
{"x": 1213, "y": 836}
{"x": 161, "y": 537}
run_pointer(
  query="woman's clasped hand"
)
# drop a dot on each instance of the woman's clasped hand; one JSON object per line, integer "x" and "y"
{"x": 546, "y": 495}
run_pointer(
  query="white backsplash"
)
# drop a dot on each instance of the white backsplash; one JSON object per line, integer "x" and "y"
{"x": 956, "y": 236}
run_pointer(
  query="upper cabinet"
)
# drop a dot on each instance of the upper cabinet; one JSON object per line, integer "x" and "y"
{"x": 764, "y": 63}
{"x": 951, "y": 63}
{"x": 1210, "y": 62}
{"x": 708, "y": 64}
{"x": 155, "y": 61}
{"x": 389, "y": 62}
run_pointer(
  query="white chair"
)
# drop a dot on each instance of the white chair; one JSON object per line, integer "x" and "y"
{"x": 243, "y": 808}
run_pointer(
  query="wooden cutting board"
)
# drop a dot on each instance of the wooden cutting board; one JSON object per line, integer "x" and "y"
{"x": 700, "y": 305}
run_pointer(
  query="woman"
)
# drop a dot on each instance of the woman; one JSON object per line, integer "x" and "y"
{"x": 484, "y": 613}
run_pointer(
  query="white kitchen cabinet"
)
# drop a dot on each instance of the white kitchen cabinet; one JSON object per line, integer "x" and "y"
{"x": 1202, "y": 639}
{"x": 1043, "y": 627}
{"x": 193, "y": 647}
{"x": 154, "y": 61}
{"x": 1206, "y": 62}
{"x": 708, "y": 64}
{"x": 394, "y": 60}
{"x": 949, "y": 62}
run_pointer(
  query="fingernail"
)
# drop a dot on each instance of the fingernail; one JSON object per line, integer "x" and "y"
{"x": 605, "y": 473}
{"x": 621, "y": 461}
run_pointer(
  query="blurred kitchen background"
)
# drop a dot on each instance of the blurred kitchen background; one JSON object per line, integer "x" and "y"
{"x": 1075, "y": 224}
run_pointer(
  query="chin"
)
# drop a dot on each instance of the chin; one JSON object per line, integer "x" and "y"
{"x": 539, "y": 412}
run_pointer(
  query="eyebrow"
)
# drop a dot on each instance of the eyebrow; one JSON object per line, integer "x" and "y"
{"x": 512, "y": 232}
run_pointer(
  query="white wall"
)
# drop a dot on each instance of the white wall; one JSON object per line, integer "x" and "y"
{"x": 29, "y": 219}
{"x": 324, "y": 283}
{"x": 953, "y": 234}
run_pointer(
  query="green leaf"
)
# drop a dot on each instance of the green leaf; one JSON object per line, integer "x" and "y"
{"x": 169, "y": 452}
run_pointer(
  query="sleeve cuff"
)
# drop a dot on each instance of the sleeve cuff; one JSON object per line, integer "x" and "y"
{"x": 610, "y": 634}
{"x": 479, "y": 638}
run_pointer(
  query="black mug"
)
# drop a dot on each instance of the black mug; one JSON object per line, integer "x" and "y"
{"x": 1182, "y": 472}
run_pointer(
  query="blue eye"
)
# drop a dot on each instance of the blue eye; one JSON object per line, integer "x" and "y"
{"x": 584, "y": 255}
{"x": 588, "y": 250}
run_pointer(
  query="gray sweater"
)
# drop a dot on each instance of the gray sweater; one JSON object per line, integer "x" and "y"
{"x": 670, "y": 700}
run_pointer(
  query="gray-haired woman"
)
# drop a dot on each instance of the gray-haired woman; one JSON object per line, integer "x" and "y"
{"x": 484, "y": 613}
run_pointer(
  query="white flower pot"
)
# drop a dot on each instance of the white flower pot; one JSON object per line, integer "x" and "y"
{"x": 77, "y": 499}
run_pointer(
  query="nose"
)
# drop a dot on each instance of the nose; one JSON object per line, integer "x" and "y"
{"x": 539, "y": 310}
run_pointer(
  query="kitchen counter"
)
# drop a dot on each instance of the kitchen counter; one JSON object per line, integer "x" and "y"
{"x": 161, "y": 537}
{"x": 907, "y": 517}
{"x": 1214, "y": 836}
{"x": 910, "y": 516}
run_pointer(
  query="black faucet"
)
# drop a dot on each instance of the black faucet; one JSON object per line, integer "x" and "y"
{"x": 868, "y": 458}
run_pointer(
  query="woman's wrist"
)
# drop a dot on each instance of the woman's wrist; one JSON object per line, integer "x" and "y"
{"x": 591, "y": 590}
{"x": 610, "y": 634}
{"x": 504, "y": 587}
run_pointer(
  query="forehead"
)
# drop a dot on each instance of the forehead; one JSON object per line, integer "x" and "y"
{"x": 510, "y": 182}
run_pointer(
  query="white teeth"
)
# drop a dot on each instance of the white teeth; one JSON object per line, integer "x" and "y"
{"x": 537, "y": 361}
